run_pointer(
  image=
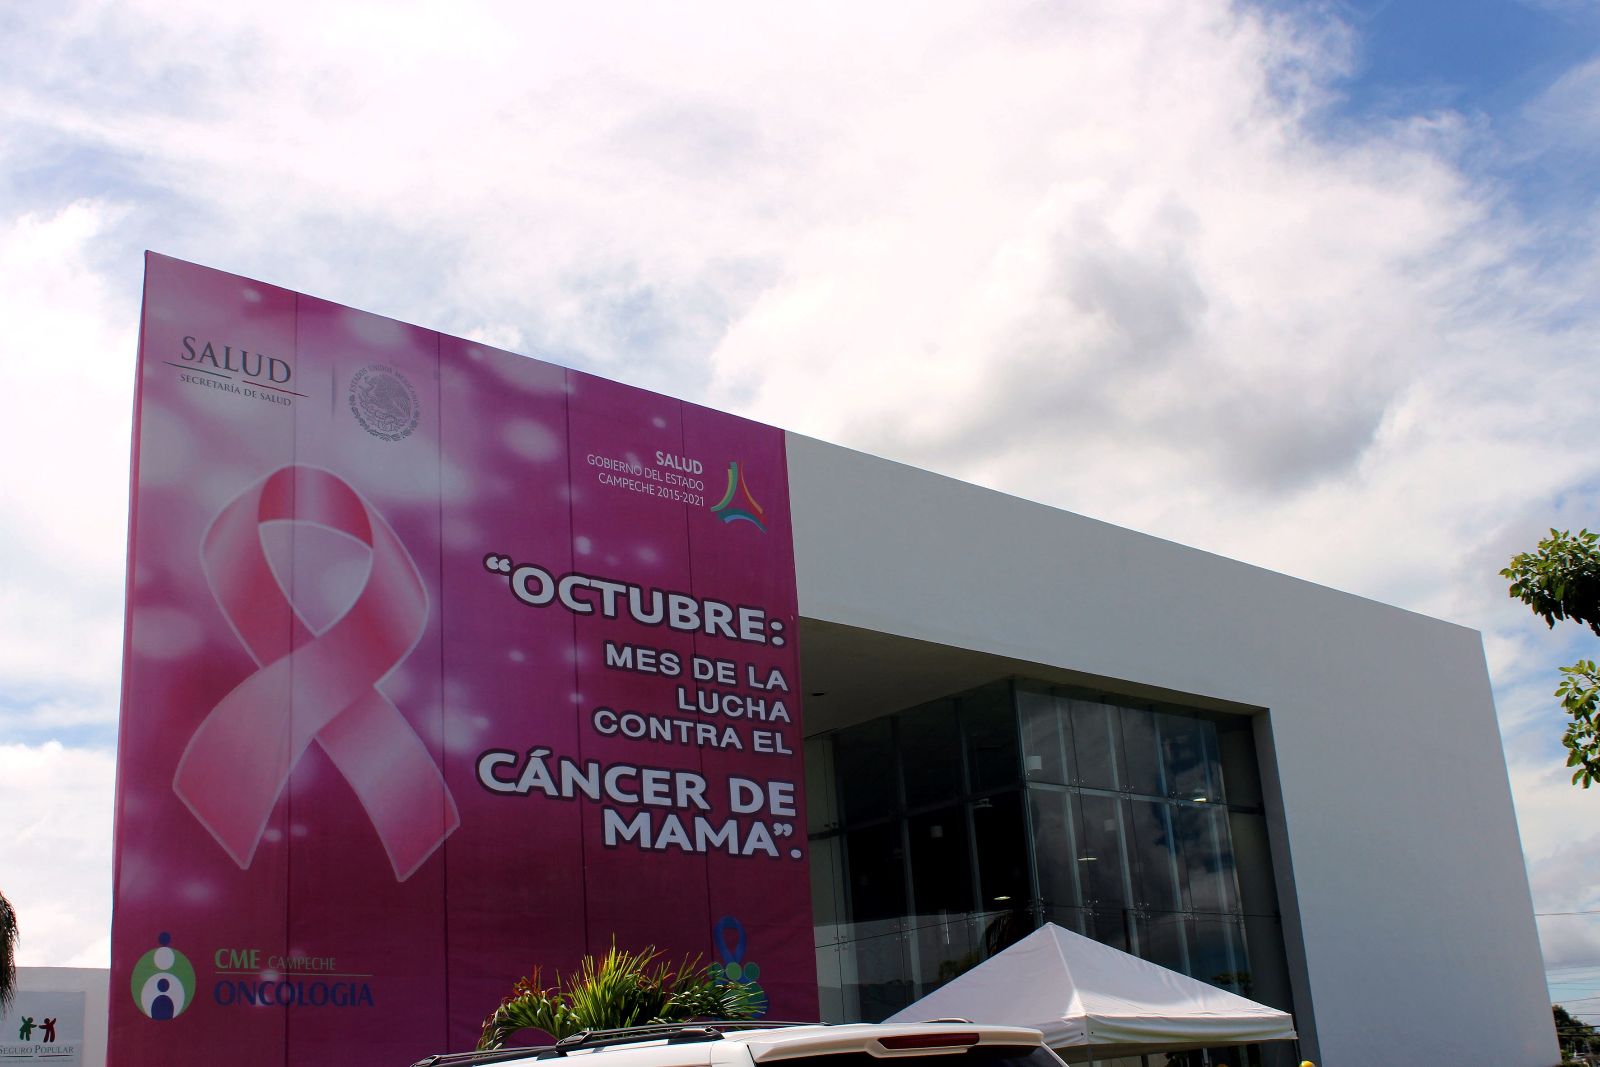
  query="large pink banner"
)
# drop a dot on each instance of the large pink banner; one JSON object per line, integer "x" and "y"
{"x": 442, "y": 663}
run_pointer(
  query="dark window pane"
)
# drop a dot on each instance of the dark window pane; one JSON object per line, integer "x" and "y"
{"x": 882, "y": 984}
{"x": 1094, "y": 749}
{"x": 1100, "y": 853}
{"x": 822, "y": 800}
{"x": 1054, "y": 850}
{"x": 989, "y": 721}
{"x": 1002, "y": 929}
{"x": 946, "y": 949}
{"x": 941, "y": 866}
{"x": 1141, "y": 753}
{"x": 1207, "y": 857}
{"x": 864, "y": 758}
{"x": 1155, "y": 868}
{"x": 1161, "y": 940}
{"x": 1044, "y": 738}
{"x": 877, "y": 873}
{"x": 1002, "y": 851}
{"x": 1111, "y": 926}
{"x": 1226, "y": 871}
{"x": 1219, "y": 954}
{"x": 930, "y": 754}
{"x": 1187, "y": 756}
{"x": 1074, "y": 919}
{"x": 1217, "y": 790}
{"x": 1252, "y": 863}
{"x": 1236, "y": 746}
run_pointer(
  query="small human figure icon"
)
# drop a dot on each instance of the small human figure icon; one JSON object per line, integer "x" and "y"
{"x": 49, "y": 1027}
{"x": 25, "y": 1031}
{"x": 162, "y": 1006}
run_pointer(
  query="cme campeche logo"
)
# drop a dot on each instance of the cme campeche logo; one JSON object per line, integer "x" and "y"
{"x": 746, "y": 509}
{"x": 163, "y": 981}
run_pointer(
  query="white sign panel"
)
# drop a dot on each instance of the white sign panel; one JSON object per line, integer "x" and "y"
{"x": 43, "y": 1028}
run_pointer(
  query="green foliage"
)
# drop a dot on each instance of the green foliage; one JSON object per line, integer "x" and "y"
{"x": 1577, "y": 1038}
{"x": 618, "y": 989}
{"x": 1561, "y": 580}
{"x": 1580, "y": 693}
{"x": 8, "y": 953}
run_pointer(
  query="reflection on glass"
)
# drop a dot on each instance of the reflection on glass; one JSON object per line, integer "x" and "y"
{"x": 827, "y": 882}
{"x": 864, "y": 758}
{"x": 882, "y": 962}
{"x": 1002, "y": 929}
{"x": 832, "y": 1002}
{"x": 1141, "y": 753}
{"x": 1124, "y": 838}
{"x": 1074, "y": 919}
{"x": 1101, "y": 862}
{"x": 1155, "y": 868}
{"x": 1044, "y": 738}
{"x": 1185, "y": 755}
{"x": 1161, "y": 940}
{"x": 1207, "y": 858}
{"x": 1054, "y": 846}
{"x": 1094, "y": 748}
{"x": 930, "y": 754}
{"x": 1111, "y": 926}
{"x": 946, "y": 948}
{"x": 1218, "y": 951}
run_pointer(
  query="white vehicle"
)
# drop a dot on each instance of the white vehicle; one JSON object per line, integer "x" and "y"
{"x": 935, "y": 1044}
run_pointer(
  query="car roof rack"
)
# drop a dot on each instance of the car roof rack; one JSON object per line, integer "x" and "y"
{"x": 492, "y": 1055}
{"x": 670, "y": 1033}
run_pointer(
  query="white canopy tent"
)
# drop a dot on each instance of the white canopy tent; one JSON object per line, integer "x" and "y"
{"x": 1091, "y": 1000}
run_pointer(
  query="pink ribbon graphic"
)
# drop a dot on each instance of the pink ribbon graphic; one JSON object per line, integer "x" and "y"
{"x": 314, "y": 686}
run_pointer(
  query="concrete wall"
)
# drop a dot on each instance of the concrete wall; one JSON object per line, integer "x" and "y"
{"x": 1399, "y": 869}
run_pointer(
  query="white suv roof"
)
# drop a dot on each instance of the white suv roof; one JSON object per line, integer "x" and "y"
{"x": 745, "y": 1045}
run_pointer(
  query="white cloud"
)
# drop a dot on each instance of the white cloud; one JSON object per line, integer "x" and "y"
{"x": 57, "y": 852}
{"x": 65, "y": 367}
{"x": 1109, "y": 258}
{"x": 1563, "y": 858}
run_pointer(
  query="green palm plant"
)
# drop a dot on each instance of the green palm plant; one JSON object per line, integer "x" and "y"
{"x": 8, "y": 953}
{"x": 618, "y": 989}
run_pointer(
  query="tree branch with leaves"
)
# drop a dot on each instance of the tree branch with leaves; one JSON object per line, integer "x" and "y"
{"x": 8, "y": 953}
{"x": 1559, "y": 581}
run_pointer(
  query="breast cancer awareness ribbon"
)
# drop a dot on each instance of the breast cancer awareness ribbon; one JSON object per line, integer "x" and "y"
{"x": 734, "y": 970}
{"x": 313, "y": 686}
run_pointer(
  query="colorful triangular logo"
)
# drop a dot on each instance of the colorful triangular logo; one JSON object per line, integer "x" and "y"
{"x": 745, "y": 509}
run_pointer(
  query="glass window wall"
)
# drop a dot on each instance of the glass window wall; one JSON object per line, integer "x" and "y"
{"x": 965, "y": 823}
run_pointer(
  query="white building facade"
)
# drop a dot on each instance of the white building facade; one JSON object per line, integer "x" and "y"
{"x": 1019, "y": 714}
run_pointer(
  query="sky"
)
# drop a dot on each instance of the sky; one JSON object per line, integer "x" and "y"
{"x": 1312, "y": 286}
